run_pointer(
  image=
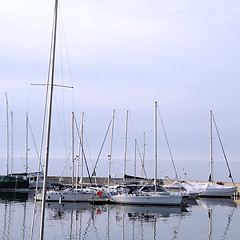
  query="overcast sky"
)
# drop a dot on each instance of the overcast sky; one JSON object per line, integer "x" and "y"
{"x": 124, "y": 55}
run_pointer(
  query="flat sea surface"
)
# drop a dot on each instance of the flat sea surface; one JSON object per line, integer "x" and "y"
{"x": 205, "y": 218}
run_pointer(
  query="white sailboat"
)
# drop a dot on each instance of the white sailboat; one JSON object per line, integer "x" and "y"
{"x": 72, "y": 194}
{"x": 211, "y": 189}
{"x": 147, "y": 195}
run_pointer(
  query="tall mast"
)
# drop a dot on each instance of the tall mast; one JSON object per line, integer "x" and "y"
{"x": 125, "y": 151}
{"x": 72, "y": 149}
{"x": 7, "y": 133}
{"x": 135, "y": 159}
{"x": 110, "y": 154}
{"x": 11, "y": 142}
{"x": 144, "y": 146}
{"x": 211, "y": 150}
{"x": 52, "y": 60}
{"x": 155, "y": 145}
{"x": 81, "y": 149}
{"x": 26, "y": 163}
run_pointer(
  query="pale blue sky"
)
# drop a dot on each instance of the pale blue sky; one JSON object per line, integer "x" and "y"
{"x": 126, "y": 55}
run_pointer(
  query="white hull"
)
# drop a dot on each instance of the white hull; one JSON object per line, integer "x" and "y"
{"x": 177, "y": 187}
{"x": 148, "y": 199}
{"x": 217, "y": 193}
{"x": 66, "y": 196}
{"x": 211, "y": 189}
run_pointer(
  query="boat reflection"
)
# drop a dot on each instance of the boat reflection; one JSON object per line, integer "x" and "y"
{"x": 59, "y": 210}
{"x": 213, "y": 207}
{"x": 147, "y": 213}
{"x": 14, "y": 196}
{"x": 216, "y": 202}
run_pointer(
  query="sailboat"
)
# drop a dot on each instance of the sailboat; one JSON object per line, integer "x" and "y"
{"x": 148, "y": 195}
{"x": 11, "y": 182}
{"x": 73, "y": 193}
{"x": 211, "y": 189}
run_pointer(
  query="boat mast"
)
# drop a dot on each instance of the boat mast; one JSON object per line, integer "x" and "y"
{"x": 26, "y": 163}
{"x": 72, "y": 149}
{"x": 155, "y": 145}
{"x": 211, "y": 150}
{"x": 52, "y": 60}
{"x": 135, "y": 159}
{"x": 125, "y": 151}
{"x": 81, "y": 148}
{"x": 7, "y": 132}
{"x": 11, "y": 142}
{"x": 144, "y": 146}
{"x": 110, "y": 154}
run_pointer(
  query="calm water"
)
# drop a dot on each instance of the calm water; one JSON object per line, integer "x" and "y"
{"x": 203, "y": 219}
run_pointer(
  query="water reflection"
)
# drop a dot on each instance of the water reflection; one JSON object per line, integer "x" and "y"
{"x": 14, "y": 206}
{"x": 90, "y": 220}
{"x": 13, "y": 196}
{"x": 216, "y": 202}
{"x": 213, "y": 205}
{"x": 205, "y": 218}
{"x": 146, "y": 213}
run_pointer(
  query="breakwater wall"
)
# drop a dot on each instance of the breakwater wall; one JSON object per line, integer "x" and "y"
{"x": 104, "y": 180}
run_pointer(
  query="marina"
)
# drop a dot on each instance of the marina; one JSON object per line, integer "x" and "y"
{"x": 113, "y": 123}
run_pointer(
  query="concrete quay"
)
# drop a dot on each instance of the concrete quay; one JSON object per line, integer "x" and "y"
{"x": 104, "y": 180}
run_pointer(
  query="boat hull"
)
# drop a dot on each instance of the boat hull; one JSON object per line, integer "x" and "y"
{"x": 9, "y": 182}
{"x": 228, "y": 192}
{"x": 66, "y": 196}
{"x": 166, "y": 200}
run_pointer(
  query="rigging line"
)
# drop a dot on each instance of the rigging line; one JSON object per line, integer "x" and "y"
{"x": 132, "y": 127}
{"x": 68, "y": 58}
{"x": 63, "y": 129}
{"x": 65, "y": 166}
{"x": 88, "y": 148}
{"x": 55, "y": 85}
{"x": 18, "y": 142}
{"x": 37, "y": 62}
{"x": 63, "y": 95}
{"x": 1, "y": 105}
{"x": 170, "y": 152}
{"x": 94, "y": 169}
{"x": 34, "y": 142}
{"x": 85, "y": 160}
{"x": 141, "y": 161}
{"x": 225, "y": 156}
